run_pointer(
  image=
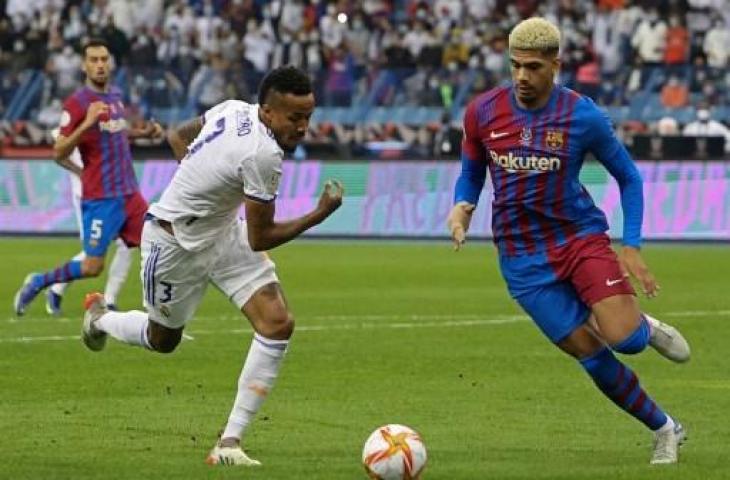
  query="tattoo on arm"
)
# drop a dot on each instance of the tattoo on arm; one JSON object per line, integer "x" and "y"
{"x": 189, "y": 130}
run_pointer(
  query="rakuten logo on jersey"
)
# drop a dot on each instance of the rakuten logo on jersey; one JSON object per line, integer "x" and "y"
{"x": 531, "y": 163}
{"x": 113, "y": 125}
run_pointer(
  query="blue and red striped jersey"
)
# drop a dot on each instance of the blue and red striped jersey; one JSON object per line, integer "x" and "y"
{"x": 534, "y": 158}
{"x": 104, "y": 147}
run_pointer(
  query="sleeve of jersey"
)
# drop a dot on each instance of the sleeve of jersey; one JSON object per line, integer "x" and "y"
{"x": 261, "y": 177}
{"x": 71, "y": 116}
{"x": 613, "y": 155}
{"x": 470, "y": 183}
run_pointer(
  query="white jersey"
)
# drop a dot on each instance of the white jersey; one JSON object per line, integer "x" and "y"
{"x": 234, "y": 156}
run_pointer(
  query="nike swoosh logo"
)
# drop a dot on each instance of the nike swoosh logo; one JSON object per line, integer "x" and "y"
{"x": 610, "y": 283}
{"x": 498, "y": 135}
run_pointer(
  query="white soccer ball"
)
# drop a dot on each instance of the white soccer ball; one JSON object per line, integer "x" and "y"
{"x": 394, "y": 452}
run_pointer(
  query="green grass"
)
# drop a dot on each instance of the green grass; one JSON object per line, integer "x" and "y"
{"x": 492, "y": 399}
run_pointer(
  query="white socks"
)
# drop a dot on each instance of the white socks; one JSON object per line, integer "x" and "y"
{"x": 257, "y": 377}
{"x": 128, "y": 327}
{"x": 117, "y": 273}
{"x": 60, "y": 288}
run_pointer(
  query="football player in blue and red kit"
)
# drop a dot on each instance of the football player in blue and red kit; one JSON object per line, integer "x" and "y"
{"x": 93, "y": 121}
{"x": 554, "y": 253}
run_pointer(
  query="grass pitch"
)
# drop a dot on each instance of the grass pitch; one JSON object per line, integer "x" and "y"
{"x": 389, "y": 332}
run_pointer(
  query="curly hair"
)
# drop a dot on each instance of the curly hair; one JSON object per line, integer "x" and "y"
{"x": 286, "y": 79}
{"x": 535, "y": 33}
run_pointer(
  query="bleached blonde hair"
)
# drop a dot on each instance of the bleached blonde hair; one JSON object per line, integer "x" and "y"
{"x": 535, "y": 33}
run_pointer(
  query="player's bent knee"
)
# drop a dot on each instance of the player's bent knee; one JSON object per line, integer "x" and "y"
{"x": 278, "y": 326}
{"x": 162, "y": 339}
{"x": 636, "y": 342}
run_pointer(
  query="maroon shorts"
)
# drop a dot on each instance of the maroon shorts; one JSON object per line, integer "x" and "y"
{"x": 135, "y": 207}
{"x": 592, "y": 267}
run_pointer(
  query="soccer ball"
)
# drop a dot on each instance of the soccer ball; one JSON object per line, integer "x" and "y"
{"x": 394, "y": 452}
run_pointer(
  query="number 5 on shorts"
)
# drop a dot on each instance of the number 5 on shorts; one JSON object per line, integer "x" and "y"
{"x": 96, "y": 225}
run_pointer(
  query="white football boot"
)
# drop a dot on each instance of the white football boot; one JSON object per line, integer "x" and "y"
{"x": 667, "y": 341}
{"x": 666, "y": 445}
{"x": 233, "y": 455}
{"x": 93, "y": 338}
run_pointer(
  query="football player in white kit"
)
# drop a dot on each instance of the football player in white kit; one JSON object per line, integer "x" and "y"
{"x": 122, "y": 257}
{"x": 193, "y": 237}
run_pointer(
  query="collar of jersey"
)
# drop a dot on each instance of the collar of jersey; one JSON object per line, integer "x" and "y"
{"x": 550, "y": 103}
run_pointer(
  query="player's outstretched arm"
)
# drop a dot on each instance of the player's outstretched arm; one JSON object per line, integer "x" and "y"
{"x": 183, "y": 135}
{"x": 264, "y": 233}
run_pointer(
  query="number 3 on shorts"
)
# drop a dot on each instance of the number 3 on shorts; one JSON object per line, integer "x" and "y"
{"x": 96, "y": 225}
{"x": 166, "y": 292}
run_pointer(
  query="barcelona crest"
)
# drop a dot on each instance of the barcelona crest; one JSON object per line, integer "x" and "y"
{"x": 526, "y": 136}
{"x": 554, "y": 139}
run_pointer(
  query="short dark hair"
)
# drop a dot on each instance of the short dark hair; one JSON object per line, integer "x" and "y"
{"x": 94, "y": 42}
{"x": 287, "y": 79}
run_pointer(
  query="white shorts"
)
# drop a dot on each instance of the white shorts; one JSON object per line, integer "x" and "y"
{"x": 174, "y": 279}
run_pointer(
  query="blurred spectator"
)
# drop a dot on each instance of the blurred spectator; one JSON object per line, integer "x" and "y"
{"x": 416, "y": 52}
{"x": 74, "y": 26}
{"x": 65, "y": 68}
{"x": 675, "y": 93}
{"x": 704, "y": 126}
{"x": 340, "y": 79}
{"x": 122, "y": 12}
{"x": 181, "y": 18}
{"x": 588, "y": 79}
{"x": 677, "y": 47}
{"x": 610, "y": 94}
{"x": 208, "y": 84}
{"x": 117, "y": 41}
{"x": 711, "y": 94}
{"x": 206, "y": 28}
{"x": 667, "y": 126}
{"x": 416, "y": 39}
{"x": 456, "y": 50}
{"x": 717, "y": 45}
{"x": 649, "y": 40}
{"x": 607, "y": 41}
{"x": 291, "y": 20}
{"x": 358, "y": 38}
{"x": 698, "y": 74}
{"x": 50, "y": 115}
{"x": 331, "y": 30}
{"x": 149, "y": 13}
{"x": 258, "y": 47}
{"x": 143, "y": 51}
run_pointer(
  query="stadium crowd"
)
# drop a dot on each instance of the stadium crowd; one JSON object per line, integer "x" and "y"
{"x": 376, "y": 52}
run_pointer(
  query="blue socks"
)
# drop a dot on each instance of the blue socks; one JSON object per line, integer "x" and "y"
{"x": 65, "y": 273}
{"x": 637, "y": 341}
{"x": 621, "y": 385}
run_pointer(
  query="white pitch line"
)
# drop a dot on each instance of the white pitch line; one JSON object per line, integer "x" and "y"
{"x": 318, "y": 328}
{"x": 697, "y": 313}
{"x": 402, "y": 322}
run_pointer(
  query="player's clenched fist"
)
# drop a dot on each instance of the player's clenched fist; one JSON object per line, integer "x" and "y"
{"x": 94, "y": 113}
{"x": 458, "y": 222}
{"x": 331, "y": 198}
